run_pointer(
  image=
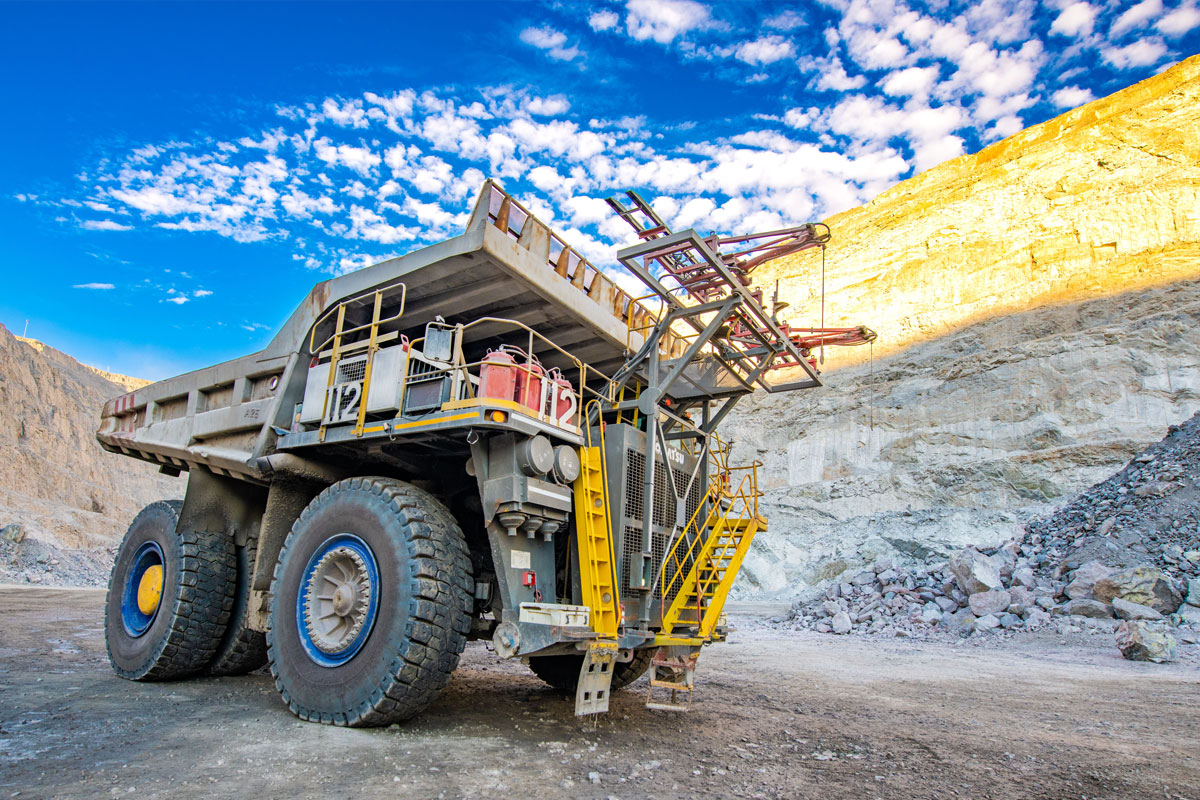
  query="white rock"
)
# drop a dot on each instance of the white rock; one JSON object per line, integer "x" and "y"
{"x": 975, "y": 572}
{"x": 1127, "y": 610}
{"x": 841, "y": 622}
{"x": 994, "y": 602}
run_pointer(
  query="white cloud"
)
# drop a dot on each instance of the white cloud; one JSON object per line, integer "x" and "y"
{"x": 1072, "y": 96}
{"x": 202, "y": 293}
{"x": 104, "y": 225}
{"x": 1180, "y": 21}
{"x": 1136, "y": 17}
{"x": 177, "y": 299}
{"x": 399, "y": 105}
{"x": 551, "y": 41}
{"x": 911, "y": 82}
{"x": 359, "y": 159}
{"x": 348, "y": 115}
{"x": 102, "y": 286}
{"x": 1141, "y": 53}
{"x": 552, "y": 106}
{"x": 786, "y": 20}
{"x": 603, "y": 20}
{"x": 1077, "y": 19}
{"x": 764, "y": 50}
{"x": 664, "y": 20}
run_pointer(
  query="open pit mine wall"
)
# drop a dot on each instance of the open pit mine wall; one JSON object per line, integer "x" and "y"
{"x": 1037, "y": 306}
{"x": 55, "y": 481}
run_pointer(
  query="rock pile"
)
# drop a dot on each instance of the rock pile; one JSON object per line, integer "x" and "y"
{"x": 1148, "y": 513}
{"x": 1122, "y": 557}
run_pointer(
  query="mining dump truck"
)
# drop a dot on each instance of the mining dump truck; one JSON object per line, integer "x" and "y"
{"x": 487, "y": 438}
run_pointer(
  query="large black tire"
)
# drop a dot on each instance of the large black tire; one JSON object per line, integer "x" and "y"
{"x": 198, "y": 580}
{"x": 403, "y": 657}
{"x": 562, "y": 672}
{"x": 242, "y": 649}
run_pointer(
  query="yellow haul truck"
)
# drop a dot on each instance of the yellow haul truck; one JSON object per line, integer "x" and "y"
{"x": 485, "y": 438}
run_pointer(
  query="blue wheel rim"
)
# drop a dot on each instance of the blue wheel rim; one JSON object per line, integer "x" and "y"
{"x": 136, "y": 623}
{"x": 323, "y": 656}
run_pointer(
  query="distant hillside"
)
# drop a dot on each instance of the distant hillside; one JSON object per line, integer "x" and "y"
{"x": 54, "y": 479}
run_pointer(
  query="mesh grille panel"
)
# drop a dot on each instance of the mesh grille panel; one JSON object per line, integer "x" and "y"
{"x": 352, "y": 370}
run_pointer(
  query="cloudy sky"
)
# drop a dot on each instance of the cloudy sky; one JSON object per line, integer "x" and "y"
{"x": 175, "y": 177}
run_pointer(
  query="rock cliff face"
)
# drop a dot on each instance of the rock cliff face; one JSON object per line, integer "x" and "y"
{"x": 1037, "y": 306}
{"x": 54, "y": 479}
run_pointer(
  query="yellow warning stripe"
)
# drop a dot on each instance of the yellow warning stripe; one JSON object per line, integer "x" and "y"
{"x": 420, "y": 423}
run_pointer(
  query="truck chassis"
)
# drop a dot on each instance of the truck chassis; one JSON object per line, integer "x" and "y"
{"x": 486, "y": 438}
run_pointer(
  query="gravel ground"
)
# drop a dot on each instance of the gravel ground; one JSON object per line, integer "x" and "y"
{"x": 795, "y": 715}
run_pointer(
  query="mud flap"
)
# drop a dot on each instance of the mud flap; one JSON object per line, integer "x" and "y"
{"x": 595, "y": 679}
{"x": 674, "y": 669}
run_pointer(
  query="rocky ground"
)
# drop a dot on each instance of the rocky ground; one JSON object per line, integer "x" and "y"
{"x": 1123, "y": 557}
{"x": 776, "y": 715}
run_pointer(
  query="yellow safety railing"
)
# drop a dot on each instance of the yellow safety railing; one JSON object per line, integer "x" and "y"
{"x": 690, "y": 564}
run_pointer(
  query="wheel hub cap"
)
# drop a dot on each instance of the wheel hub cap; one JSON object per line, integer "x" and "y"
{"x": 338, "y": 600}
{"x": 150, "y": 589}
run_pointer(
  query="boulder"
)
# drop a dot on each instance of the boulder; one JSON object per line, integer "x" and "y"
{"x": 1088, "y": 608}
{"x": 1189, "y": 615}
{"x": 1023, "y": 576}
{"x": 1193, "y": 592}
{"x": 1037, "y": 618}
{"x": 987, "y": 622}
{"x": 960, "y": 622}
{"x": 995, "y": 602}
{"x": 830, "y": 608}
{"x": 863, "y": 578}
{"x": 841, "y": 622}
{"x": 1022, "y": 600}
{"x": 931, "y": 614}
{"x": 1144, "y": 585}
{"x": 1083, "y": 581}
{"x": 974, "y": 572}
{"x": 1140, "y": 641}
{"x": 1127, "y": 610}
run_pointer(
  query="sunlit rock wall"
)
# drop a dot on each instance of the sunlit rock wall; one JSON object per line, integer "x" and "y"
{"x": 1037, "y": 322}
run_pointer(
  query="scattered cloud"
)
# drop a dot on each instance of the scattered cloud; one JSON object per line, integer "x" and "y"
{"x": 1141, "y": 53}
{"x": 1180, "y": 21}
{"x": 551, "y": 41}
{"x": 1072, "y": 96}
{"x": 104, "y": 225}
{"x": 604, "y": 20}
{"x": 664, "y": 21}
{"x": 1077, "y": 19}
{"x": 102, "y": 286}
{"x": 202, "y": 293}
{"x": 765, "y": 50}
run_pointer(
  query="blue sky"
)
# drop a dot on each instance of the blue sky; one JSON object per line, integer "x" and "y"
{"x": 176, "y": 176}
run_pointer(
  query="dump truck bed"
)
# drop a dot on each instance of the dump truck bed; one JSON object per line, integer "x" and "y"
{"x": 507, "y": 264}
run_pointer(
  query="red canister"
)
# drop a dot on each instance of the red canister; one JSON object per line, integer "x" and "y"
{"x": 498, "y": 376}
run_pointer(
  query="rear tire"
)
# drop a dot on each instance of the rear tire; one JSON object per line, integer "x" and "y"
{"x": 370, "y": 604}
{"x": 562, "y": 672}
{"x": 180, "y": 634}
{"x": 242, "y": 649}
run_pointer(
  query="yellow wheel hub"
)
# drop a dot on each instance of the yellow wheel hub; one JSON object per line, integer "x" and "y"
{"x": 150, "y": 589}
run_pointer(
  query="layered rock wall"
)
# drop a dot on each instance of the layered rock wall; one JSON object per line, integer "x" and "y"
{"x": 1038, "y": 310}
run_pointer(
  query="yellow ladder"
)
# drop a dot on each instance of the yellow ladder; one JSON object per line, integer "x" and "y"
{"x": 597, "y": 573}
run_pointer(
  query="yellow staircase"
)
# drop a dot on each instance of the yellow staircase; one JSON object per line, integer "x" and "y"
{"x": 699, "y": 571}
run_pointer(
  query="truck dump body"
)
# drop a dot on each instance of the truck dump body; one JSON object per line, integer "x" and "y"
{"x": 512, "y": 267}
{"x": 484, "y": 438}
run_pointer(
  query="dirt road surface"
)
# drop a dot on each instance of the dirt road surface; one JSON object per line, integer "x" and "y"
{"x": 776, "y": 714}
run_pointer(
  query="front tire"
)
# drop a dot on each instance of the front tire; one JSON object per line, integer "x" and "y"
{"x": 370, "y": 604}
{"x": 169, "y": 597}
